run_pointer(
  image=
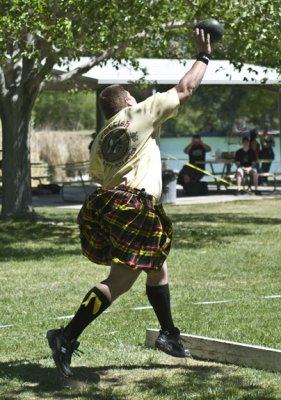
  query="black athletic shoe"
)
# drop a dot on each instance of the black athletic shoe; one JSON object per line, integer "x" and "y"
{"x": 62, "y": 350}
{"x": 171, "y": 344}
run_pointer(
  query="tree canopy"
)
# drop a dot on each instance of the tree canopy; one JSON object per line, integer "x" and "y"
{"x": 52, "y": 31}
{"x": 252, "y": 29}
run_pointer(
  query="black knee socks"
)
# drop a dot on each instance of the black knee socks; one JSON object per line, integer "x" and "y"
{"x": 94, "y": 303}
{"x": 159, "y": 298}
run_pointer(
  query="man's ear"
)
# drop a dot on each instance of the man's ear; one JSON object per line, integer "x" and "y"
{"x": 129, "y": 101}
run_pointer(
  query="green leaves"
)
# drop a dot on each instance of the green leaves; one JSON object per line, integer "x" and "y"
{"x": 74, "y": 28}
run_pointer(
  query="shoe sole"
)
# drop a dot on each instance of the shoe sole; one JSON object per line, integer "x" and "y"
{"x": 54, "y": 347}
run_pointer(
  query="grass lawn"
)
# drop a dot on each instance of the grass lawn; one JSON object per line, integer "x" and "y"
{"x": 228, "y": 251}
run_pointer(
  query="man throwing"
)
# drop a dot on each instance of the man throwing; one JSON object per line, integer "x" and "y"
{"x": 122, "y": 224}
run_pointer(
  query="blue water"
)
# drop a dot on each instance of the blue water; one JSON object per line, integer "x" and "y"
{"x": 174, "y": 146}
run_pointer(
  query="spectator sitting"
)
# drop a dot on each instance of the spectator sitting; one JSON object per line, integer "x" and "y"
{"x": 196, "y": 150}
{"x": 246, "y": 159}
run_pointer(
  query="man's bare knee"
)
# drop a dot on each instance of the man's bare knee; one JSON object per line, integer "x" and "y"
{"x": 118, "y": 282}
{"x": 158, "y": 278}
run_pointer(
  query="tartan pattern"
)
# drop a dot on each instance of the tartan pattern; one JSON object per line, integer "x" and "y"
{"x": 126, "y": 226}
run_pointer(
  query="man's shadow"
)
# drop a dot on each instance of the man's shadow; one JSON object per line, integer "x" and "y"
{"x": 48, "y": 382}
{"x": 41, "y": 380}
{"x": 36, "y": 380}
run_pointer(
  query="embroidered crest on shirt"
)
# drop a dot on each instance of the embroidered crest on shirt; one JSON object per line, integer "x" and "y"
{"x": 115, "y": 145}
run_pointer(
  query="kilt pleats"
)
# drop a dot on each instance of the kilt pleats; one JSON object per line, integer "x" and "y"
{"x": 126, "y": 226}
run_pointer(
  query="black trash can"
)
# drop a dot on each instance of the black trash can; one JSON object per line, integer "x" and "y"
{"x": 169, "y": 186}
{"x": 195, "y": 188}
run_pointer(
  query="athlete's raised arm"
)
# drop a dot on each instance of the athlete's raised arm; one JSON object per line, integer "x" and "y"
{"x": 192, "y": 79}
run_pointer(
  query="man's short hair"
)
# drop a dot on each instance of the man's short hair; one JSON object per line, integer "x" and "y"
{"x": 245, "y": 139}
{"x": 112, "y": 100}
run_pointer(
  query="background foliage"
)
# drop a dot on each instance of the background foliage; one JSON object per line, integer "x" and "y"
{"x": 213, "y": 109}
{"x": 65, "y": 111}
{"x": 222, "y": 109}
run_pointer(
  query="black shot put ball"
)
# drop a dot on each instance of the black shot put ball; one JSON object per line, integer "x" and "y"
{"x": 213, "y": 27}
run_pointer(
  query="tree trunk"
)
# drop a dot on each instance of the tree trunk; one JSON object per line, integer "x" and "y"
{"x": 17, "y": 195}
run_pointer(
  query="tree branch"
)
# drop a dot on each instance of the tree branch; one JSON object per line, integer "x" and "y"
{"x": 35, "y": 71}
{"x": 83, "y": 68}
{"x": 108, "y": 53}
{"x": 27, "y": 68}
{"x": 178, "y": 25}
{"x": 3, "y": 90}
{"x": 46, "y": 68}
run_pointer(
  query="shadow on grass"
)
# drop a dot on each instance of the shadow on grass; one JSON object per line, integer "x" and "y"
{"x": 200, "y": 382}
{"x": 58, "y": 234}
{"x": 204, "y": 229}
{"x": 48, "y": 237}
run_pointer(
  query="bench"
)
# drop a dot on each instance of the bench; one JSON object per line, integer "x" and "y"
{"x": 41, "y": 178}
{"x": 247, "y": 182}
{"x": 270, "y": 175}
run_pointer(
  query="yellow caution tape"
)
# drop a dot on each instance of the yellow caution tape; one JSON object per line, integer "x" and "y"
{"x": 206, "y": 172}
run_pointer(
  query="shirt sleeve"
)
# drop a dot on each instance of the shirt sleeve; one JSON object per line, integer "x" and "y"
{"x": 162, "y": 106}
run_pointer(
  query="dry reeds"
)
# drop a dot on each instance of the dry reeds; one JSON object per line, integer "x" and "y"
{"x": 57, "y": 152}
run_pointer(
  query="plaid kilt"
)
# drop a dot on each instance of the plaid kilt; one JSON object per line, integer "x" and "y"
{"x": 126, "y": 226}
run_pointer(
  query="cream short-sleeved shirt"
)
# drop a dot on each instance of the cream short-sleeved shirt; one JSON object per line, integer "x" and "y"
{"x": 126, "y": 151}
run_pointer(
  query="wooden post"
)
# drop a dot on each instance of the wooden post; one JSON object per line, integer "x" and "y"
{"x": 209, "y": 349}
